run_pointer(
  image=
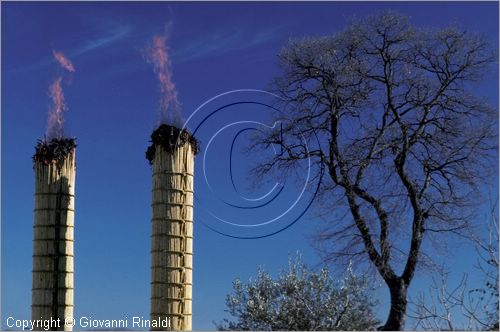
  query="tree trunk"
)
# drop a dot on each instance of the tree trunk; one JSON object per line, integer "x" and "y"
{"x": 396, "y": 319}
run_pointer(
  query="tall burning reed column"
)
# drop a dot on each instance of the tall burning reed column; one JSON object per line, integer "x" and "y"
{"x": 54, "y": 165}
{"x": 171, "y": 155}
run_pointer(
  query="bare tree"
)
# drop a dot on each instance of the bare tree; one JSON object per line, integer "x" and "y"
{"x": 487, "y": 248}
{"x": 404, "y": 140}
{"x": 464, "y": 307}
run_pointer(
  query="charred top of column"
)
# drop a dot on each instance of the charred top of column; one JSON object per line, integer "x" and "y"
{"x": 170, "y": 137}
{"x": 53, "y": 151}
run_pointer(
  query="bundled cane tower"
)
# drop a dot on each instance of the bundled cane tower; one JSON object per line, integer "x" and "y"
{"x": 54, "y": 166}
{"x": 171, "y": 156}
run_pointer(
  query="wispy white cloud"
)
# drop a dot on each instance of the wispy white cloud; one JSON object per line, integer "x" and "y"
{"x": 223, "y": 41}
{"x": 106, "y": 38}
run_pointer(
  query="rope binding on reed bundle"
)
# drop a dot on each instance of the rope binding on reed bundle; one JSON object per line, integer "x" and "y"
{"x": 54, "y": 151}
{"x": 170, "y": 137}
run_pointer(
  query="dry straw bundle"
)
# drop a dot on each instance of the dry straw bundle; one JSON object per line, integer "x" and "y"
{"x": 172, "y": 158}
{"x": 54, "y": 166}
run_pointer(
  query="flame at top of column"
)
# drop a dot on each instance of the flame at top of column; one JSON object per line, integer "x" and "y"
{"x": 55, "y": 124}
{"x": 157, "y": 54}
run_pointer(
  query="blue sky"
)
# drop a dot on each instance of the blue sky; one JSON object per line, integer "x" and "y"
{"x": 113, "y": 107}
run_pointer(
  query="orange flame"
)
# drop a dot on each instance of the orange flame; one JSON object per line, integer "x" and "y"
{"x": 157, "y": 54}
{"x": 63, "y": 61}
{"x": 55, "y": 127}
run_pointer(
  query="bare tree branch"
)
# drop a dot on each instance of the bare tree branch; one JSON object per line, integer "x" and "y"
{"x": 404, "y": 140}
